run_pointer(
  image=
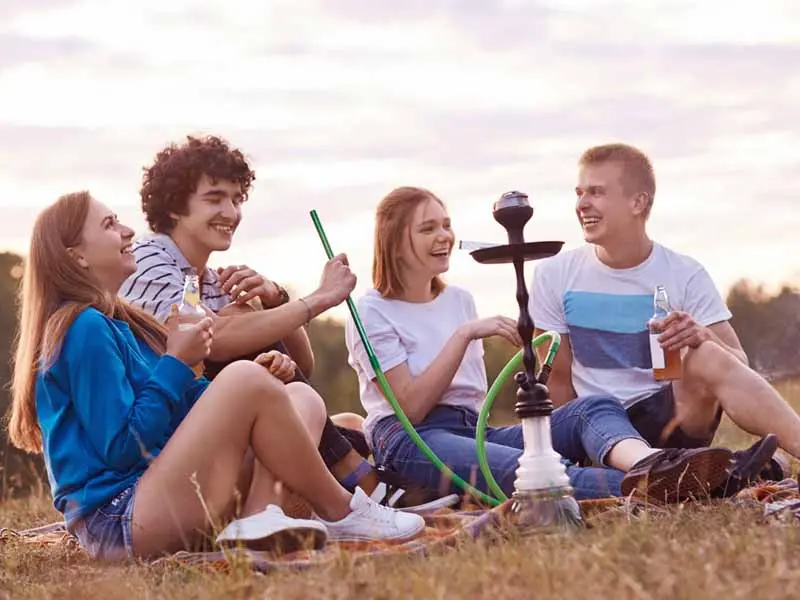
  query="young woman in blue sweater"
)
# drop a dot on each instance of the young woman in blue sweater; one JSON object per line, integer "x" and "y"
{"x": 143, "y": 458}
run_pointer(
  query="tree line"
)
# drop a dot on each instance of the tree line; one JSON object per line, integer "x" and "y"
{"x": 767, "y": 323}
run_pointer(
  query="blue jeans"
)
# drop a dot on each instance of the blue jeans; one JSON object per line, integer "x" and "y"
{"x": 106, "y": 532}
{"x": 583, "y": 430}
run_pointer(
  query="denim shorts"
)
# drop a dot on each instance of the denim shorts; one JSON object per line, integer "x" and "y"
{"x": 107, "y": 532}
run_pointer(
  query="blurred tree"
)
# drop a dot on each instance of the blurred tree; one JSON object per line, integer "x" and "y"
{"x": 18, "y": 470}
{"x": 768, "y": 327}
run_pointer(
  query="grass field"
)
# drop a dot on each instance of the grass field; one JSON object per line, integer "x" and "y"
{"x": 701, "y": 551}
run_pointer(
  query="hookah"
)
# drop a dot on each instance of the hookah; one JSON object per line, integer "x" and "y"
{"x": 542, "y": 495}
{"x": 542, "y": 498}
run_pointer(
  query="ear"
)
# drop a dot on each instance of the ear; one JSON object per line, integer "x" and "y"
{"x": 78, "y": 256}
{"x": 640, "y": 204}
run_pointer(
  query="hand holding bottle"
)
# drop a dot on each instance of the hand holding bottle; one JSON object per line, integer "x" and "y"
{"x": 666, "y": 359}
{"x": 189, "y": 342}
{"x": 680, "y": 330}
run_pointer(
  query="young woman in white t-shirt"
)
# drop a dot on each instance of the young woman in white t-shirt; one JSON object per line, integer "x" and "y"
{"x": 427, "y": 337}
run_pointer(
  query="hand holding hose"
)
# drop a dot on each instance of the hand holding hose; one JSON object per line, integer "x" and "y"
{"x": 337, "y": 281}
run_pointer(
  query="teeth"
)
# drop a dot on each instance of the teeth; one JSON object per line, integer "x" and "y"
{"x": 223, "y": 228}
{"x": 590, "y": 221}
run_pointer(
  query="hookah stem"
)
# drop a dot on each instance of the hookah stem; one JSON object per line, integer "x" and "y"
{"x": 524, "y": 325}
{"x": 387, "y": 390}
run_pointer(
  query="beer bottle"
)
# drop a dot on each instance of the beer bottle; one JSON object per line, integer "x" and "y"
{"x": 666, "y": 363}
{"x": 190, "y": 311}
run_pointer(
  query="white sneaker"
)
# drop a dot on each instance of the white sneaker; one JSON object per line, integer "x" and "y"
{"x": 272, "y": 530}
{"x": 371, "y": 521}
{"x": 385, "y": 496}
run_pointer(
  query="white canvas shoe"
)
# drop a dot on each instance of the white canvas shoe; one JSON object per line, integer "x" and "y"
{"x": 272, "y": 530}
{"x": 395, "y": 497}
{"x": 372, "y": 521}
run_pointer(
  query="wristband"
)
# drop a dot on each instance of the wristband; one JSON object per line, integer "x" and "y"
{"x": 308, "y": 311}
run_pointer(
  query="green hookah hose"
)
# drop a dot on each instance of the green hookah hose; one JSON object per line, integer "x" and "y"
{"x": 483, "y": 418}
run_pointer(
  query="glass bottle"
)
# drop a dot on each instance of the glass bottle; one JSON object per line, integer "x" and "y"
{"x": 190, "y": 311}
{"x": 666, "y": 363}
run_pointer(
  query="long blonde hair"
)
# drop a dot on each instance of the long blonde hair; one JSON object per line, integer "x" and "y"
{"x": 55, "y": 289}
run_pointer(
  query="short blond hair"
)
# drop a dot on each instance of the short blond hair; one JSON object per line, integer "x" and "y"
{"x": 637, "y": 170}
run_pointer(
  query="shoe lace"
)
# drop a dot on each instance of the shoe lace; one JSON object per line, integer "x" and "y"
{"x": 672, "y": 453}
{"x": 664, "y": 455}
{"x": 378, "y": 512}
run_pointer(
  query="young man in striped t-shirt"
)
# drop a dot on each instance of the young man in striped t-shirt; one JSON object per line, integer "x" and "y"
{"x": 192, "y": 196}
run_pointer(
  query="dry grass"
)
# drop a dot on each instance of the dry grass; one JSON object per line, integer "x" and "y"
{"x": 712, "y": 551}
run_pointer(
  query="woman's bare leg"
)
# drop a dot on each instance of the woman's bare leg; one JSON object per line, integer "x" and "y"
{"x": 190, "y": 486}
{"x": 261, "y": 483}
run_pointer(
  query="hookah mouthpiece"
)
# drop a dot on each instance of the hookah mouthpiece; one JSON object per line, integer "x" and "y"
{"x": 470, "y": 245}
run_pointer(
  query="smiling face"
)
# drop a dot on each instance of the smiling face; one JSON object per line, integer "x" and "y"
{"x": 607, "y": 211}
{"x": 213, "y": 213}
{"x": 105, "y": 247}
{"x": 429, "y": 243}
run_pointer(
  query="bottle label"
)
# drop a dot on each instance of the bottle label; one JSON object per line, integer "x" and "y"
{"x": 656, "y": 352}
{"x": 192, "y": 298}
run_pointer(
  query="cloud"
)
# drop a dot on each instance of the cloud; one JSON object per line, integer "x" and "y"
{"x": 16, "y": 50}
{"x": 337, "y": 103}
{"x": 32, "y": 152}
{"x": 20, "y": 48}
{"x": 10, "y": 9}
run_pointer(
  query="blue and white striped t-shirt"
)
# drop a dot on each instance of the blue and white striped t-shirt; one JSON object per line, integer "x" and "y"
{"x": 157, "y": 283}
{"x": 605, "y": 313}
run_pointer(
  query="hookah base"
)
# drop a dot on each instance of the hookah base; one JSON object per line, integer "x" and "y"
{"x": 552, "y": 510}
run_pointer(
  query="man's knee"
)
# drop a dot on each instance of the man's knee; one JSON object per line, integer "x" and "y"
{"x": 595, "y": 405}
{"x": 710, "y": 363}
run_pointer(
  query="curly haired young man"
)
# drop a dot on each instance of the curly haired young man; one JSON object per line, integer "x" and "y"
{"x": 192, "y": 196}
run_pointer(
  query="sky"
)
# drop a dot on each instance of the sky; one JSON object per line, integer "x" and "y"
{"x": 337, "y": 102}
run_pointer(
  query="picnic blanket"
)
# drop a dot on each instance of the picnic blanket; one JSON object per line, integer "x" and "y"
{"x": 445, "y": 529}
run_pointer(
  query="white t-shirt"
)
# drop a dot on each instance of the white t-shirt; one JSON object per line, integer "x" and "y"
{"x": 605, "y": 312}
{"x": 414, "y": 333}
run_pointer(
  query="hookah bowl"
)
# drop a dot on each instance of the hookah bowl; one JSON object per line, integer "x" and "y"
{"x": 543, "y": 498}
